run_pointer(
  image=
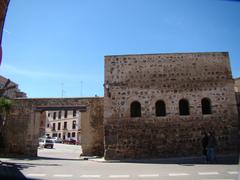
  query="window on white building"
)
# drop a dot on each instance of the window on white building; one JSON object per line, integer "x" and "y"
{"x": 73, "y": 134}
{"x": 74, "y": 113}
{"x": 74, "y": 125}
{"x": 65, "y": 125}
{"x": 54, "y": 127}
{"x": 59, "y": 114}
{"x": 54, "y": 115}
{"x": 65, "y": 113}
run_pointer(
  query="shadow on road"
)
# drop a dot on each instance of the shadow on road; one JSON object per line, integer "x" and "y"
{"x": 57, "y": 158}
{"x": 11, "y": 171}
{"x": 184, "y": 161}
{"x": 43, "y": 158}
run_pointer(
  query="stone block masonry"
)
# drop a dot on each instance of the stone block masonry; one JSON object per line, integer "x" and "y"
{"x": 154, "y": 105}
{"x": 158, "y": 105}
{"x": 22, "y": 125}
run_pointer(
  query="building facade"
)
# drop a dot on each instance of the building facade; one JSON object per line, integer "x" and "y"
{"x": 65, "y": 125}
{"x": 159, "y": 105}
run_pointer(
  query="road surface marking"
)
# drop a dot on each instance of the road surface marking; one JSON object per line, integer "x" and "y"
{"x": 148, "y": 175}
{"x": 178, "y": 174}
{"x": 39, "y": 175}
{"x": 90, "y": 176}
{"x": 119, "y": 176}
{"x": 233, "y": 172}
{"x": 62, "y": 175}
{"x": 217, "y": 179}
{"x": 208, "y": 173}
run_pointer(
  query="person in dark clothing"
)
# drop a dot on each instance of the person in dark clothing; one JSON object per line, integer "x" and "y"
{"x": 211, "y": 146}
{"x": 204, "y": 145}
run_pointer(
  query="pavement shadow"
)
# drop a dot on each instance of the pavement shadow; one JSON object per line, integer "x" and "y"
{"x": 57, "y": 158}
{"x": 42, "y": 158}
{"x": 188, "y": 161}
{"x": 11, "y": 171}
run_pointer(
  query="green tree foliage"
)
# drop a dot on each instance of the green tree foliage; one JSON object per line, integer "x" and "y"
{"x": 5, "y": 105}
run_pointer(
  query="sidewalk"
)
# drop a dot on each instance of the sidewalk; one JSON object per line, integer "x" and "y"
{"x": 221, "y": 159}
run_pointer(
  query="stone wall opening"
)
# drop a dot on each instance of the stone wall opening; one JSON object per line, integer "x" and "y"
{"x": 23, "y": 123}
{"x": 206, "y": 106}
{"x": 64, "y": 146}
{"x": 135, "y": 109}
{"x": 184, "y": 107}
{"x": 160, "y": 108}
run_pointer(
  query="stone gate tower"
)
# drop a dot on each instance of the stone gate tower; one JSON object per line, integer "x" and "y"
{"x": 158, "y": 105}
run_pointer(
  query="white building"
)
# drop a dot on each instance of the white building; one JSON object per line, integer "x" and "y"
{"x": 64, "y": 124}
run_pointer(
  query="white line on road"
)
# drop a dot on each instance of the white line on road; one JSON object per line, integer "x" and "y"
{"x": 233, "y": 172}
{"x": 62, "y": 175}
{"x": 178, "y": 174}
{"x": 148, "y": 175}
{"x": 90, "y": 176}
{"x": 119, "y": 176}
{"x": 39, "y": 175}
{"x": 208, "y": 173}
{"x": 217, "y": 179}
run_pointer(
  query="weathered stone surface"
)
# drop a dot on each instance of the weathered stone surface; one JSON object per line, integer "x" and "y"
{"x": 146, "y": 79}
{"x": 167, "y": 77}
{"x": 24, "y": 121}
{"x": 237, "y": 84}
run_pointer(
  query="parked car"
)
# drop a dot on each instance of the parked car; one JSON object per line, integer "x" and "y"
{"x": 72, "y": 141}
{"x": 46, "y": 143}
{"x": 69, "y": 141}
{"x": 57, "y": 140}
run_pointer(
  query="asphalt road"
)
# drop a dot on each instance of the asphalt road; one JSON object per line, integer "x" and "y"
{"x": 63, "y": 162}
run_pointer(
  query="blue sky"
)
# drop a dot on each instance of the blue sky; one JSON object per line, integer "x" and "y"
{"x": 54, "y": 45}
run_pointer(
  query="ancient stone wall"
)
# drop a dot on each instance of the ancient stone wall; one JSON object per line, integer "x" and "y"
{"x": 237, "y": 84}
{"x": 170, "y": 78}
{"x": 22, "y": 128}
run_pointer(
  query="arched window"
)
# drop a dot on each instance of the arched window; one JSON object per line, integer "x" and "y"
{"x": 160, "y": 108}
{"x": 183, "y": 107}
{"x": 135, "y": 109}
{"x": 206, "y": 106}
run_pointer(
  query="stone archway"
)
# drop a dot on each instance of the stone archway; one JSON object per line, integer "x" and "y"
{"x": 22, "y": 126}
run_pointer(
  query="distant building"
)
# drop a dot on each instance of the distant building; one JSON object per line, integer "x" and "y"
{"x": 63, "y": 124}
{"x": 42, "y": 127}
{"x": 12, "y": 90}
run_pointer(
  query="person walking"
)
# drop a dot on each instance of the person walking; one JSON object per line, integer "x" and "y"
{"x": 204, "y": 145}
{"x": 211, "y": 146}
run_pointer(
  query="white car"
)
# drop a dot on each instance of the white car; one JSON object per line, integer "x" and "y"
{"x": 46, "y": 143}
